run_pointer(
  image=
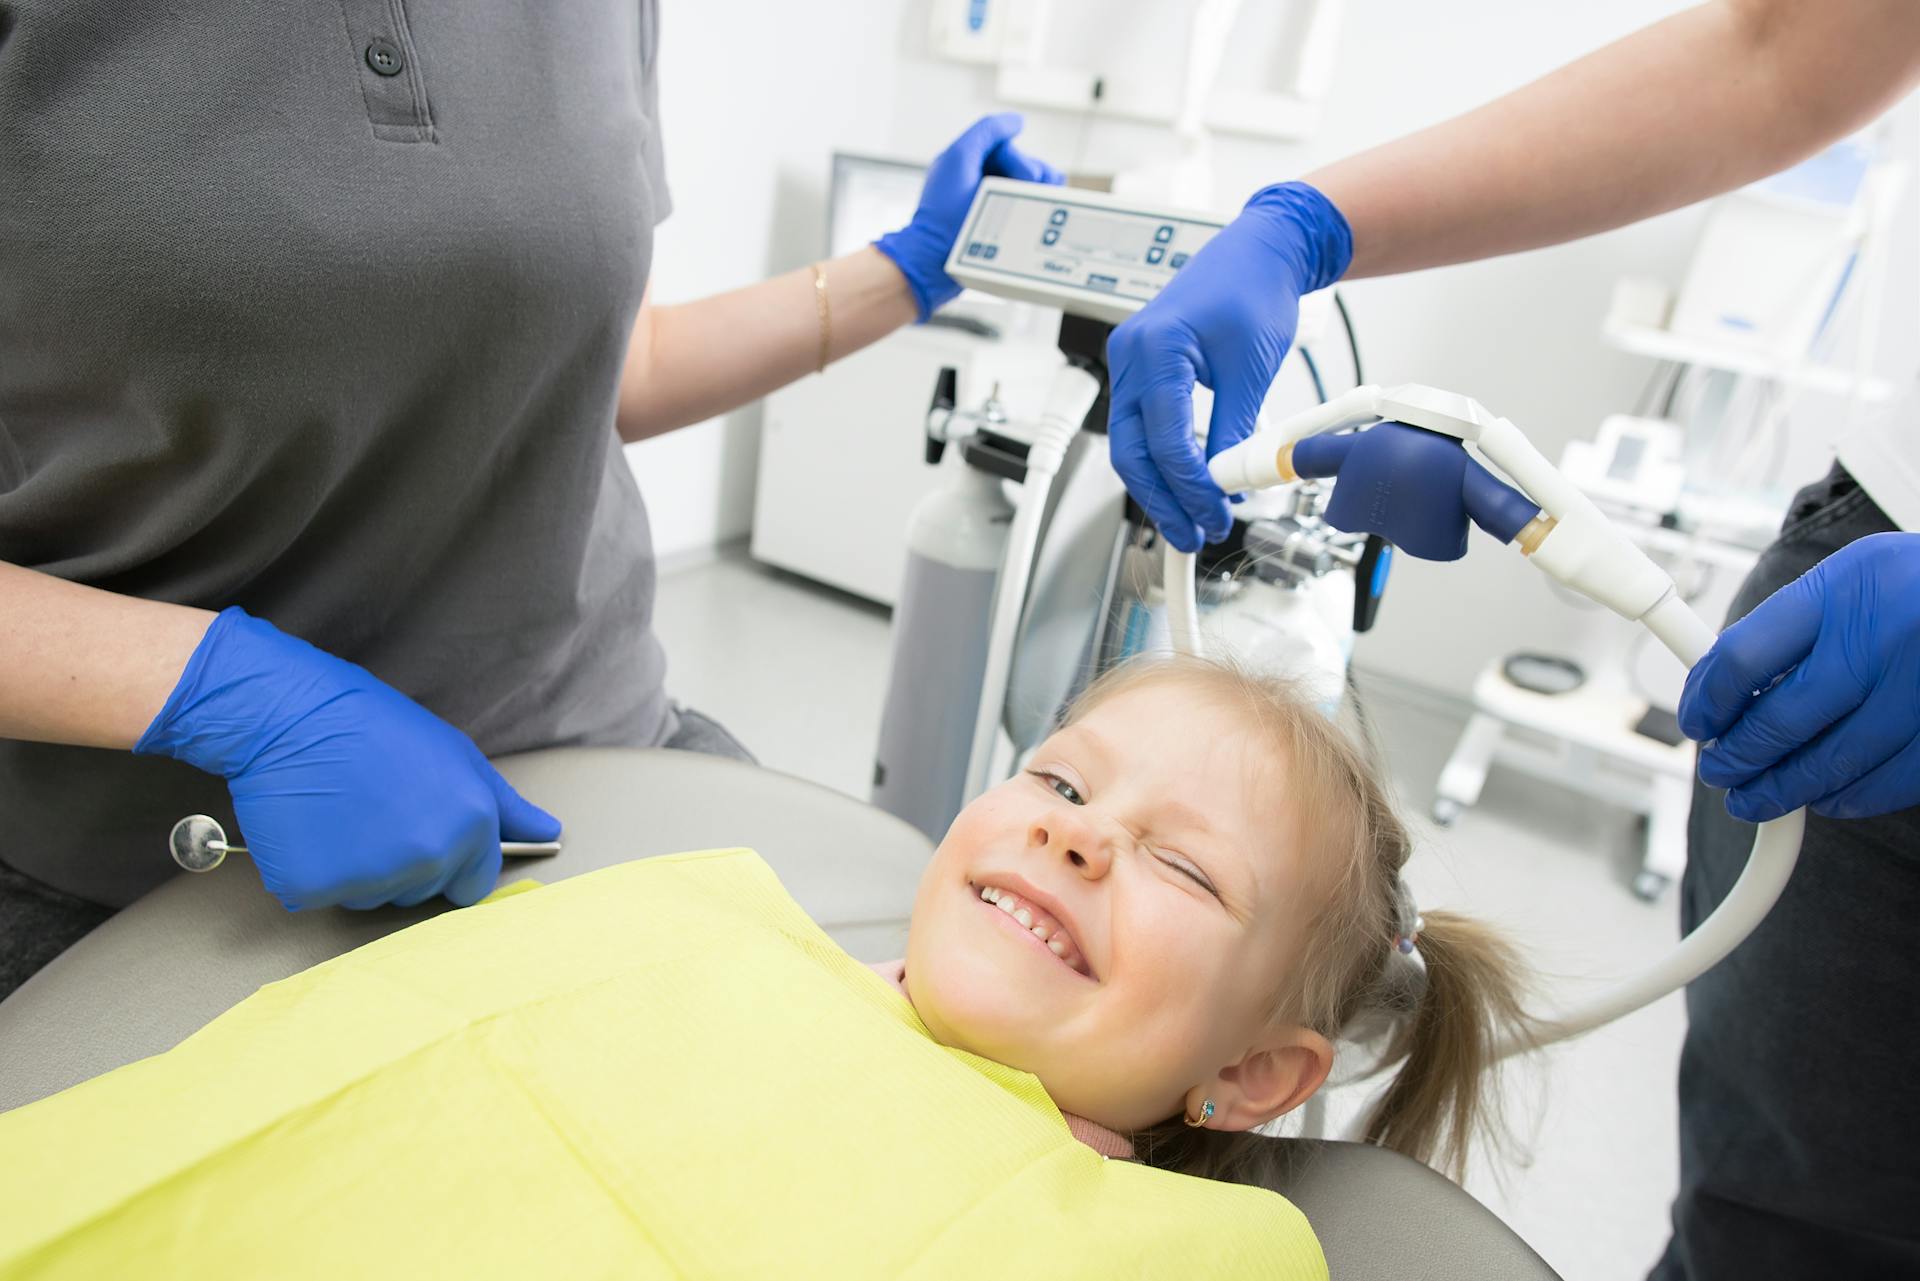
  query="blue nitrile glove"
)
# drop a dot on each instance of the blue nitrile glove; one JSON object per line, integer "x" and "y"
{"x": 920, "y": 248}
{"x": 1226, "y": 319}
{"x": 347, "y": 791}
{"x": 1840, "y": 732}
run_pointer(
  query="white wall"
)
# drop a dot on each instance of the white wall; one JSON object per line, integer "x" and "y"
{"x": 756, "y": 96}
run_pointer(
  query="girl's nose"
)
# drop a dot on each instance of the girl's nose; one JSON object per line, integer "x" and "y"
{"x": 1085, "y": 843}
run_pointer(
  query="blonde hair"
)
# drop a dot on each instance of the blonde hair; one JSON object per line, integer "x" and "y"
{"x": 1348, "y": 971}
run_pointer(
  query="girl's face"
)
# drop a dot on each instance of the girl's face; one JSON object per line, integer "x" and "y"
{"x": 1149, "y": 859}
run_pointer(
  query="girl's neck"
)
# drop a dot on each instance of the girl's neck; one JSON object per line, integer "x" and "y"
{"x": 1108, "y": 1143}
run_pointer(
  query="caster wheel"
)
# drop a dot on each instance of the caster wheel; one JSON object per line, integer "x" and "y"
{"x": 1649, "y": 886}
{"x": 1445, "y": 810}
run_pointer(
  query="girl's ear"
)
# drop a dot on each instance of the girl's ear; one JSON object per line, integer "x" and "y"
{"x": 1277, "y": 1074}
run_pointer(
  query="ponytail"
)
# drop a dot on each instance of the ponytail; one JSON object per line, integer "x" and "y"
{"x": 1472, "y": 1003}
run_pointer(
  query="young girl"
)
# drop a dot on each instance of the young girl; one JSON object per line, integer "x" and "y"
{"x": 1142, "y": 947}
{"x": 1170, "y": 916}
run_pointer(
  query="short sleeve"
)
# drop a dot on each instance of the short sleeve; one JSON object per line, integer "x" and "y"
{"x": 654, "y": 160}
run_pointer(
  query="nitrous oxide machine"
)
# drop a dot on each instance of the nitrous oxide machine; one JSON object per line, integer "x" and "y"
{"x": 1029, "y": 571}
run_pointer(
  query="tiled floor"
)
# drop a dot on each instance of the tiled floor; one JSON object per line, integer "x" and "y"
{"x": 797, "y": 671}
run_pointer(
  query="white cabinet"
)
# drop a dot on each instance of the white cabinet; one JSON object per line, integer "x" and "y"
{"x": 842, "y": 454}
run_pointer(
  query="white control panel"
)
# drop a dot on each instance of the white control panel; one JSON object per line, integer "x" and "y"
{"x": 1086, "y": 252}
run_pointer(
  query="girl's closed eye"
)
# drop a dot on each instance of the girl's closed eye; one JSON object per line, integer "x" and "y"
{"x": 1190, "y": 870}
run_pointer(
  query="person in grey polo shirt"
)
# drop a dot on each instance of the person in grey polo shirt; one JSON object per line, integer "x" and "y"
{"x": 321, "y": 327}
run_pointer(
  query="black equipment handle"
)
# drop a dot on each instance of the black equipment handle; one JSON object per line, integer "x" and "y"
{"x": 1370, "y": 581}
{"x": 946, "y": 395}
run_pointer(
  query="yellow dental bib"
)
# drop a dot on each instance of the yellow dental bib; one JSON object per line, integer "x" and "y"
{"x": 662, "y": 1069}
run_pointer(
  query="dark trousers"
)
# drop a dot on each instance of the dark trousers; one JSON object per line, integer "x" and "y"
{"x": 38, "y": 922}
{"x": 1800, "y": 1077}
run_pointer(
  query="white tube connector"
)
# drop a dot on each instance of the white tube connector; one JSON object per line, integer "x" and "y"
{"x": 1584, "y": 550}
{"x": 1591, "y": 556}
{"x": 1069, "y": 397}
{"x": 1254, "y": 463}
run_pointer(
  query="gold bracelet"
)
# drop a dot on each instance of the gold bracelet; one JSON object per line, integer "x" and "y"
{"x": 825, "y": 308}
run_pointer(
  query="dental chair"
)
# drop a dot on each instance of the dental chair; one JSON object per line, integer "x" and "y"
{"x": 199, "y": 944}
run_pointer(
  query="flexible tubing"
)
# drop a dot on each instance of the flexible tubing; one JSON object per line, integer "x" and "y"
{"x": 1183, "y": 606}
{"x": 1776, "y": 848}
{"x": 1072, "y": 395}
{"x": 1008, "y": 598}
{"x": 1675, "y": 625}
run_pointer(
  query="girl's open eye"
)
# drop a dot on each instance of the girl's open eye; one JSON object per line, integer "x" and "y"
{"x": 1060, "y": 786}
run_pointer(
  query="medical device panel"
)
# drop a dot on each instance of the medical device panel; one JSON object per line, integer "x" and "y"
{"x": 1087, "y": 252}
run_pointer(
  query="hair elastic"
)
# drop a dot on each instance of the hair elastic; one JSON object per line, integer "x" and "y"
{"x": 1407, "y": 919}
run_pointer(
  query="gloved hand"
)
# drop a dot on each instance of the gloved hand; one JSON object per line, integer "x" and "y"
{"x": 347, "y": 791}
{"x": 920, "y": 248}
{"x": 1226, "y": 319}
{"x": 1840, "y": 732}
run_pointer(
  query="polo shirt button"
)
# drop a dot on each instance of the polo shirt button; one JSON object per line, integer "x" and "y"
{"x": 385, "y": 58}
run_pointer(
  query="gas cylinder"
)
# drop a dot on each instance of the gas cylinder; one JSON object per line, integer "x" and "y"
{"x": 956, "y": 541}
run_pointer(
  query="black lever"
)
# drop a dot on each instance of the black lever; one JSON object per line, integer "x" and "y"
{"x": 946, "y": 395}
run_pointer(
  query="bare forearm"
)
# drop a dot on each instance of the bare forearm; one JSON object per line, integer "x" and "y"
{"x": 691, "y": 361}
{"x": 83, "y": 666}
{"x": 1703, "y": 102}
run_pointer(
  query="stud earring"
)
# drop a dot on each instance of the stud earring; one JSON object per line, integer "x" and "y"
{"x": 1206, "y": 1115}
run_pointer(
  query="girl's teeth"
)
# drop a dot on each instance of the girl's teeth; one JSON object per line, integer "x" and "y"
{"x": 1055, "y": 940}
